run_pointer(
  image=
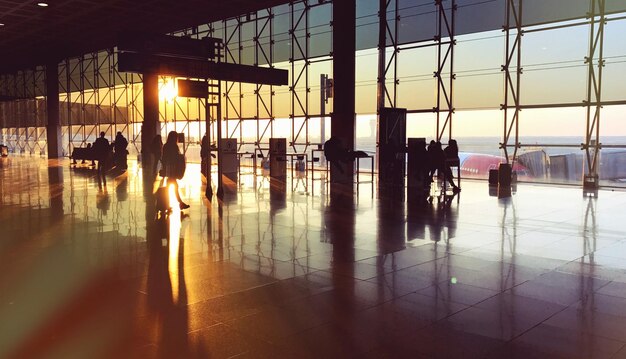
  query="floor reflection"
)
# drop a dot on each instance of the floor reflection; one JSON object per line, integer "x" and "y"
{"x": 270, "y": 272}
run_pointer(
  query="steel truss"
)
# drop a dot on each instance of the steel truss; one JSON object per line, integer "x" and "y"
{"x": 444, "y": 74}
{"x": 234, "y": 35}
{"x": 96, "y": 98}
{"x": 262, "y": 40}
{"x": 445, "y": 61}
{"x": 594, "y": 93}
{"x": 264, "y": 54}
{"x": 300, "y": 62}
{"x": 23, "y": 118}
{"x": 233, "y": 91}
{"x": 593, "y": 103}
{"x": 301, "y": 59}
{"x": 387, "y": 96}
{"x": 512, "y": 76}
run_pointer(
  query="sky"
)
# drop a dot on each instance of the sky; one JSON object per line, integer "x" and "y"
{"x": 554, "y": 72}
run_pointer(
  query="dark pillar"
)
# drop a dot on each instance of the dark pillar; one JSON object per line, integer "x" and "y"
{"x": 150, "y": 126}
{"x": 343, "y": 119}
{"x": 53, "y": 127}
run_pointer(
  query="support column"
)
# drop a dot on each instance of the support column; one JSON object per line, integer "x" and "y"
{"x": 593, "y": 102}
{"x": 53, "y": 126}
{"x": 382, "y": 48}
{"x": 150, "y": 125}
{"x": 343, "y": 119}
{"x": 512, "y": 79}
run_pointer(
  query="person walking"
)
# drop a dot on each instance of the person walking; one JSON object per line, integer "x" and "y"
{"x": 101, "y": 149}
{"x": 451, "y": 153}
{"x": 171, "y": 162}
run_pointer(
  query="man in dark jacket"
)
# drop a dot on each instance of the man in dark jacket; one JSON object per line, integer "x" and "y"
{"x": 101, "y": 149}
{"x": 121, "y": 154}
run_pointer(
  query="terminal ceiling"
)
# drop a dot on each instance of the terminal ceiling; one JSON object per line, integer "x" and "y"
{"x": 33, "y": 35}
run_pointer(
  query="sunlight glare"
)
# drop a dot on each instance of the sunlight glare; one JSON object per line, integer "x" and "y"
{"x": 174, "y": 243}
{"x": 168, "y": 90}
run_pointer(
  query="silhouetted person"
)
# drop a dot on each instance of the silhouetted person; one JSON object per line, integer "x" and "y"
{"x": 101, "y": 150}
{"x": 451, "y": 153}
{"x": 204, "y": 154}
{"x": 335, "y": 152}
{"x": 171, "y": 157}
{"x": 438, "y": 163}
{"x": 156, "y": 149}
{"x": 121, "y": 153}
{"x": 432, "y": 163}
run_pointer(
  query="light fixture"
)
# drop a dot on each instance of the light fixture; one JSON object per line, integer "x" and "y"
{"x": 1, "y": 24}
{"x": 42, "y": 4}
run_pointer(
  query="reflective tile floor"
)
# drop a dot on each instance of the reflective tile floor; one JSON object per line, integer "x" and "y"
{"x": 89, "y": 272}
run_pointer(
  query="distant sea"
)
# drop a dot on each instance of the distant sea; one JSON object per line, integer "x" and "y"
{"x": 490, "y": 145}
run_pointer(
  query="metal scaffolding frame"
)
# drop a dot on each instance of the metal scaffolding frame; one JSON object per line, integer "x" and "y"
{"x": 512, "y": 79}
{"x": 23, "y": 112}
{"x": 445, "y": 61}
{"x": 300, "y": 48}
{"x": 96, "y": 98}
{"x": 387, "y": 35}
{"x": 262, "y": 22}
{"x": 233, "y": 95}
{"x": 444, "y": 40}
{"x": 235, "y": 38}
{"x": 264, "y": 54}
{"x": 593, "y": 103}
{"x": 594, "y": 93}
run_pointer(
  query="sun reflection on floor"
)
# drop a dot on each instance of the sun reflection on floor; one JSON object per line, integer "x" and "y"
{"x": 174, "y": 242}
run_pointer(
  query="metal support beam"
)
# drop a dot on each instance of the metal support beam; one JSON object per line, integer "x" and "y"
{"x": 382, "y": 50}
{"x": 387, "y": 96}
{"x": 594, "y": 93}
{"x": 264, "y": 54}
{"x": 299, "y": 59}
{"x": 445, "y": 63}
{"x": 512, "y": 69}
{"x": 150, "y": 126}
{"x": 53, "y": 126}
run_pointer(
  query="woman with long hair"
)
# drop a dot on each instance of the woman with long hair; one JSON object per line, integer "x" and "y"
{"x": 171, "y": 154}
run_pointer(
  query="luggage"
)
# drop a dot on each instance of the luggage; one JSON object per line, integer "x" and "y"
{"x": 162, "y": 199}
{"x": 493, "y": 177}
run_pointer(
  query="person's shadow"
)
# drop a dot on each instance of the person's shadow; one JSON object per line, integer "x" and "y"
{"x": 167, "y": 290}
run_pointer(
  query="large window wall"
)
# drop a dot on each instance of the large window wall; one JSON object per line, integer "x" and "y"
{"x": 546, "y": 133}
{"x": 296, "y": 37}
{"x": 446, "y": 64}
{"x": 94, "y": 97}
{"x": 23, "y": 111}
